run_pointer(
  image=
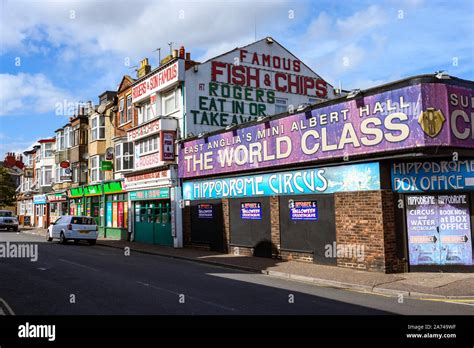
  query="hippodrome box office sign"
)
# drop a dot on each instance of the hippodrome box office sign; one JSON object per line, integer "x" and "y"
{"x": 428, "y": 114}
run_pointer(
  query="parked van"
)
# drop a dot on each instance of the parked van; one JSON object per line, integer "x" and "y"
{"x": 72, "y": 227}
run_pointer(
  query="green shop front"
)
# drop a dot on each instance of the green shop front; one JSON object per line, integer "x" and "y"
{"x": 107, "y": 203}
{"x": 152, "y": 218}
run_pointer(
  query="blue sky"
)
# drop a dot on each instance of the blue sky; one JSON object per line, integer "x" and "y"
{"x": 56, "y": 52}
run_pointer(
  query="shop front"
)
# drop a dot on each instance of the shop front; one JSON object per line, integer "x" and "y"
{"x": 76, "y": 201}
{"x": 116, "y": 210}
{"x": 316, "y": 185}
{"x": 41, "y": 216}
{"x": 273, "y": 214}
{"x": 107, "y": 203}
{"x": 438, "y": 212}
{"x": 152, "y": 199}
{"x": 57, "y": 205}
{"x": 25, "y": 211}
{"x": 152, "y": 216}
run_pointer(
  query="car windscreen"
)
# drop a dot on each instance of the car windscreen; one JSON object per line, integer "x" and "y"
{"x": 6, "y": 214}
{"x": 78, "y": 220}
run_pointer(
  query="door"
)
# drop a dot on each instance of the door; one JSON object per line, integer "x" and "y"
{"x": 439, "y": 229}
{"x": 207, "y": 224}
{"x": 143, "y": 225}
{"x": 162, "y": 224}
{"x": 58, "y": 225}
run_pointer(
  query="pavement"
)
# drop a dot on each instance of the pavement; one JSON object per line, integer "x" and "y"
{"x": 428, "y": 285}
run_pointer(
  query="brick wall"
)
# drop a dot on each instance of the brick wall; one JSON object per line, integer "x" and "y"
{"x": 275, "y": 224}
{"x": 368, "y": 219}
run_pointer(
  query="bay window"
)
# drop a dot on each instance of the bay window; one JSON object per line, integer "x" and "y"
{"x": 170, "y": 102}
{"x": 98, "y": 127}
{"x": 47, "y": 172}
{"x": 47, "y": 150}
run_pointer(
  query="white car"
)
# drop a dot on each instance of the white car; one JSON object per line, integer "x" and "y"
{"x": 71, "y": 227}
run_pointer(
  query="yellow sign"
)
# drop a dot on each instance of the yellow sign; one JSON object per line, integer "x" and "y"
{"x": 431, "y": 121}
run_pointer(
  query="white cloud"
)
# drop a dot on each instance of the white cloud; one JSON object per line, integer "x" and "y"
{"x": 33, "y": 93}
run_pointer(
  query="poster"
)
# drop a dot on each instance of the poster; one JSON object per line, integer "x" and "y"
{"x": 125, "y": 215}
{"x": 439, "y": 231}
{"x": 120, "y": 214}
{"x": 109, "y": 214}
{"x": 115, "y": 213}
{"x": 251, "y": 211}
{"x": 205, "y": 211}
{"x": 304, "y": 210}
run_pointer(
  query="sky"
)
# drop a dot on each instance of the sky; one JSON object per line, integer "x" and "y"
{"x": 56, "y": 53}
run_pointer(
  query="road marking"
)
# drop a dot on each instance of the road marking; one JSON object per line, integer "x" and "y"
{"x": 42, "y": 268}
{"x": 5, "y": 308}
{"x": 188, "y": 296}
{"x": 79, "y": 265}
{"x": 466, "y": 302}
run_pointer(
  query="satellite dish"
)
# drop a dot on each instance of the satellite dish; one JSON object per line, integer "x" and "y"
{"x": 101, "y": 108}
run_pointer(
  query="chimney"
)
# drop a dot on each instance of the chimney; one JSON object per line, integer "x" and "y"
{"x": 181, "y": 52}
{"x": 144, "y": 68}
{"x": 188, "y": 56}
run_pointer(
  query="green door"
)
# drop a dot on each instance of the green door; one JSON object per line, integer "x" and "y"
{"x": 144, "y": 223}
{"x": 162, "y": 228}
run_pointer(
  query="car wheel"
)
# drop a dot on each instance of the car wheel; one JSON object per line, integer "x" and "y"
{"x": 92, "y": 242}
{"x": 62, "y": 238}
{"x": 48, "y": 237}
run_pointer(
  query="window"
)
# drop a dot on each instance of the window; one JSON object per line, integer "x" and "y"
{"x": 75, "y": 136}
{"x": 61, "y": 172}
{"x": 38, "y": 155}
{"x": 121, "y": 112}
{"x": 60, "y": 140}
{"x": 38, "y": 177}
{"x": 146, "y": 113}
{"x": 96, "y": 173}
{"x": 148, "y": 145}
{"x": 280, "y": 105}
{"x": 170, "y": 102}
{"x": 47, "y": 175}
{"x": 98, "y": 127}
{"x": 67, "y": 137}
{"x": 124, "y": 156}
{"x": 47, "y": 150}
{"x": 129, "y": 107}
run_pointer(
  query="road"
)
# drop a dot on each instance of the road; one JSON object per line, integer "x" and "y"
{"x": 82, "y": 279}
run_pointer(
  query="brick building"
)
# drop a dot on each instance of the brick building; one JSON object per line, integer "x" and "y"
{"x": 379, "y": 180}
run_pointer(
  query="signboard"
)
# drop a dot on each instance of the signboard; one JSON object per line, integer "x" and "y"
{"x": 159, "y": 174}
{"x": 106, "y": 165}
{"x": 251, "y": 211}
{"x": 160, "y": 79}
{"x": 167, "y": 143}
{"x": 39, "y": 199}
{"x": 439, "y": 230}
{"x": 159, "y": 193}
{"x": 205, "y": 211}
{"x": 93, "y": 190}
{"x": 304, "y": 210}
{"x": 144, "y": 130}
{"x": 65, "y": 177}
{"x": 58, "y": 197}
{"x": 147, "y": 161}
{"x": 241, "y": 85}
{"x": 433, "y": 176}
{"x": 64, "y": 164}
{"x": 356, "y": 177}
{"x": 388, "y": 121}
